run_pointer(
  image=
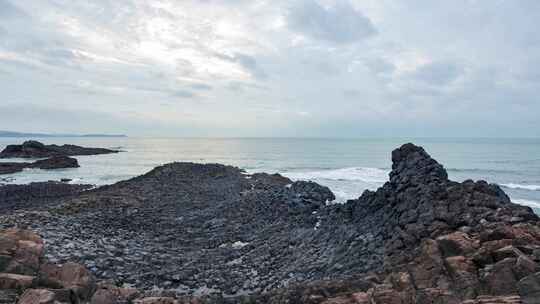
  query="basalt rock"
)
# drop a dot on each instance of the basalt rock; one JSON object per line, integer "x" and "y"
{"x": 36, "y": 195}
{"x": 189, "y": 232}
{"x": 55, "y": 162}
{"x": 35, "y": 149}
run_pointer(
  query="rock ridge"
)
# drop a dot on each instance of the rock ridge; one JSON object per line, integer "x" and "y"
{"x": 36, "y": 149}
{"x": 55, "y": 162}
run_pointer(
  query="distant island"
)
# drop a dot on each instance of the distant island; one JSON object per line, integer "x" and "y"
{"x": 22, "y": 134}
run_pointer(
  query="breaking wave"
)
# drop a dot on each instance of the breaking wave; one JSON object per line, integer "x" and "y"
{"x": 525, "y": 202}
{"x": 522, "y": 187}
{"x": 364, "y": 174}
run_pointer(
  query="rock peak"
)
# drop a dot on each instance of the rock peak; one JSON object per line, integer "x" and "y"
{"x": 412, "y": 164}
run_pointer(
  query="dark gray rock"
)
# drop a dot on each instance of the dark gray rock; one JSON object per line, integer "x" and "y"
{"x": 55, "y": 162}
{"x": 35, "y": 149}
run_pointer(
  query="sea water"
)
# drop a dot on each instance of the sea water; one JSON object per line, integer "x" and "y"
{"x": 346, "y": 166}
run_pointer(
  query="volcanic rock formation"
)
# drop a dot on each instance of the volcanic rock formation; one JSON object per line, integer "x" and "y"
{"x": 35, "y": 149}
{"x": 210, "y": 233}
{"x": 55, "y": 162}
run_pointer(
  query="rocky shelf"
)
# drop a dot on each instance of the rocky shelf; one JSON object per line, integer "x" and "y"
{"x": 55, "y": 162}
{"x": 35, "y": 149}
{"x": 193, "y": 233}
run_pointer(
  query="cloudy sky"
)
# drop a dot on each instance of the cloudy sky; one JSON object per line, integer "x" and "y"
{"x": 271, "y": 68}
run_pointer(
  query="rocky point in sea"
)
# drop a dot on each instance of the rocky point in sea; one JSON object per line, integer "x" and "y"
{"x": 55, "y": 162}
{"x": 36, "y": 149}
{"x": 194, "y": 233}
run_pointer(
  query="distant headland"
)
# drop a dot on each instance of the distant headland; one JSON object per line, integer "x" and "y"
{"x": 22, "y": 134}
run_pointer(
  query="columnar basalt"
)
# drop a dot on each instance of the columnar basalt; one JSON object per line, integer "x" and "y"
{"x": 211, "y": 233}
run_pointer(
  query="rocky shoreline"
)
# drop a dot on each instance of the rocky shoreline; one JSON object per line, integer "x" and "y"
{"x": 192, "y": 233}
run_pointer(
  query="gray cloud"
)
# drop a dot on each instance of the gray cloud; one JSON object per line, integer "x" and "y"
{"x": 380, "y": 66}
{"x": 9, "y": 10}
{"x": 249, "y": 63}
{"x": 251, "y": 67}
{"x": 183, "y": 94}
{"x": 340, "y": 23}
{"x": 438, "y": 73}
{"x": 201, "y": 87}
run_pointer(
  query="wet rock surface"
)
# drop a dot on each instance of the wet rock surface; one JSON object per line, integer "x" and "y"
{"x": 35, "y": 149}
{"x": 55, "y": 162}
{"x": 210, "y": 233}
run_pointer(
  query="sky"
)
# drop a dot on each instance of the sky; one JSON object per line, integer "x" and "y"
{"x": 234, "y": 68}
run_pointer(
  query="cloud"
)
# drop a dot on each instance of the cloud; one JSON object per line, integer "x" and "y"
{"x": 376, "y": 67}
{"x": 183, "y": 94}
{"x": 201, "y": 87}
{"x": 249, "y": 63}
{"x": 340, "y": 23}
{"x": 380, "y": 66}
{"x": 438, "y": 73}
{"x": 8, "y": 10}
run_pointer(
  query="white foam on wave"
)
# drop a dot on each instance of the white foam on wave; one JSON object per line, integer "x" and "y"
{"x": 525, "y": 202}
{"x": 364, "y": 174}
{"x": 523, "y": 187}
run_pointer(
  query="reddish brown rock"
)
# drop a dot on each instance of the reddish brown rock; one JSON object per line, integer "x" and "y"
{"x": 39, "y": 296}
{"x": 500, "y": 278}
{"x": 464, "y": 275}
{"x": 495, "y": 300}
{"x": 435, "y": 295}
{"x": 70, "y": 276}
{"x": 427, "y": 268}
{"x": 110, "y": 294}
{"x": 385, "y": 294}
{"x": 457, "y": 243}
{"x": 21, "y": 251}
{"x": 15, "y": 281}
{"x": 156, "y": 300}
{"x": 361, "y": 298}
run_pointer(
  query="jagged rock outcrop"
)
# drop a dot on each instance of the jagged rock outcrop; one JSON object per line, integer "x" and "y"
{"x": 35, "y": 149}
{"x": 212, "y": 234}
{"x": 55, "y": 162}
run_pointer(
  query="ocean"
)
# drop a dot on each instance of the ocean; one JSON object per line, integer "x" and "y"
{"x": 346, "y": 166}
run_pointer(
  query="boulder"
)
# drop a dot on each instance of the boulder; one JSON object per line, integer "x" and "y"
{"x": 457, "y": 243}
{"x": 46, "y": 296}
{"x": 21, "y": 251}
{"x": 16, "y": 281}
{"x": 156, "y": 300}
{"x": 110, "y": 294}
{"x": 464, "y": 275}
{"x": 529, "y": 288}
{"x": 428, "y": 267}
{"x": 70, "y": 276}
{"x": 500, "y": 278}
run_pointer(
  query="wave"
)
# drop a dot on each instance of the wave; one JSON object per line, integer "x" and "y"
{"x": 364, "y": 174}
{"x": 525, "y": 202}
{"x": 478, "y": 170}
{"x": 522, "y": 187}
